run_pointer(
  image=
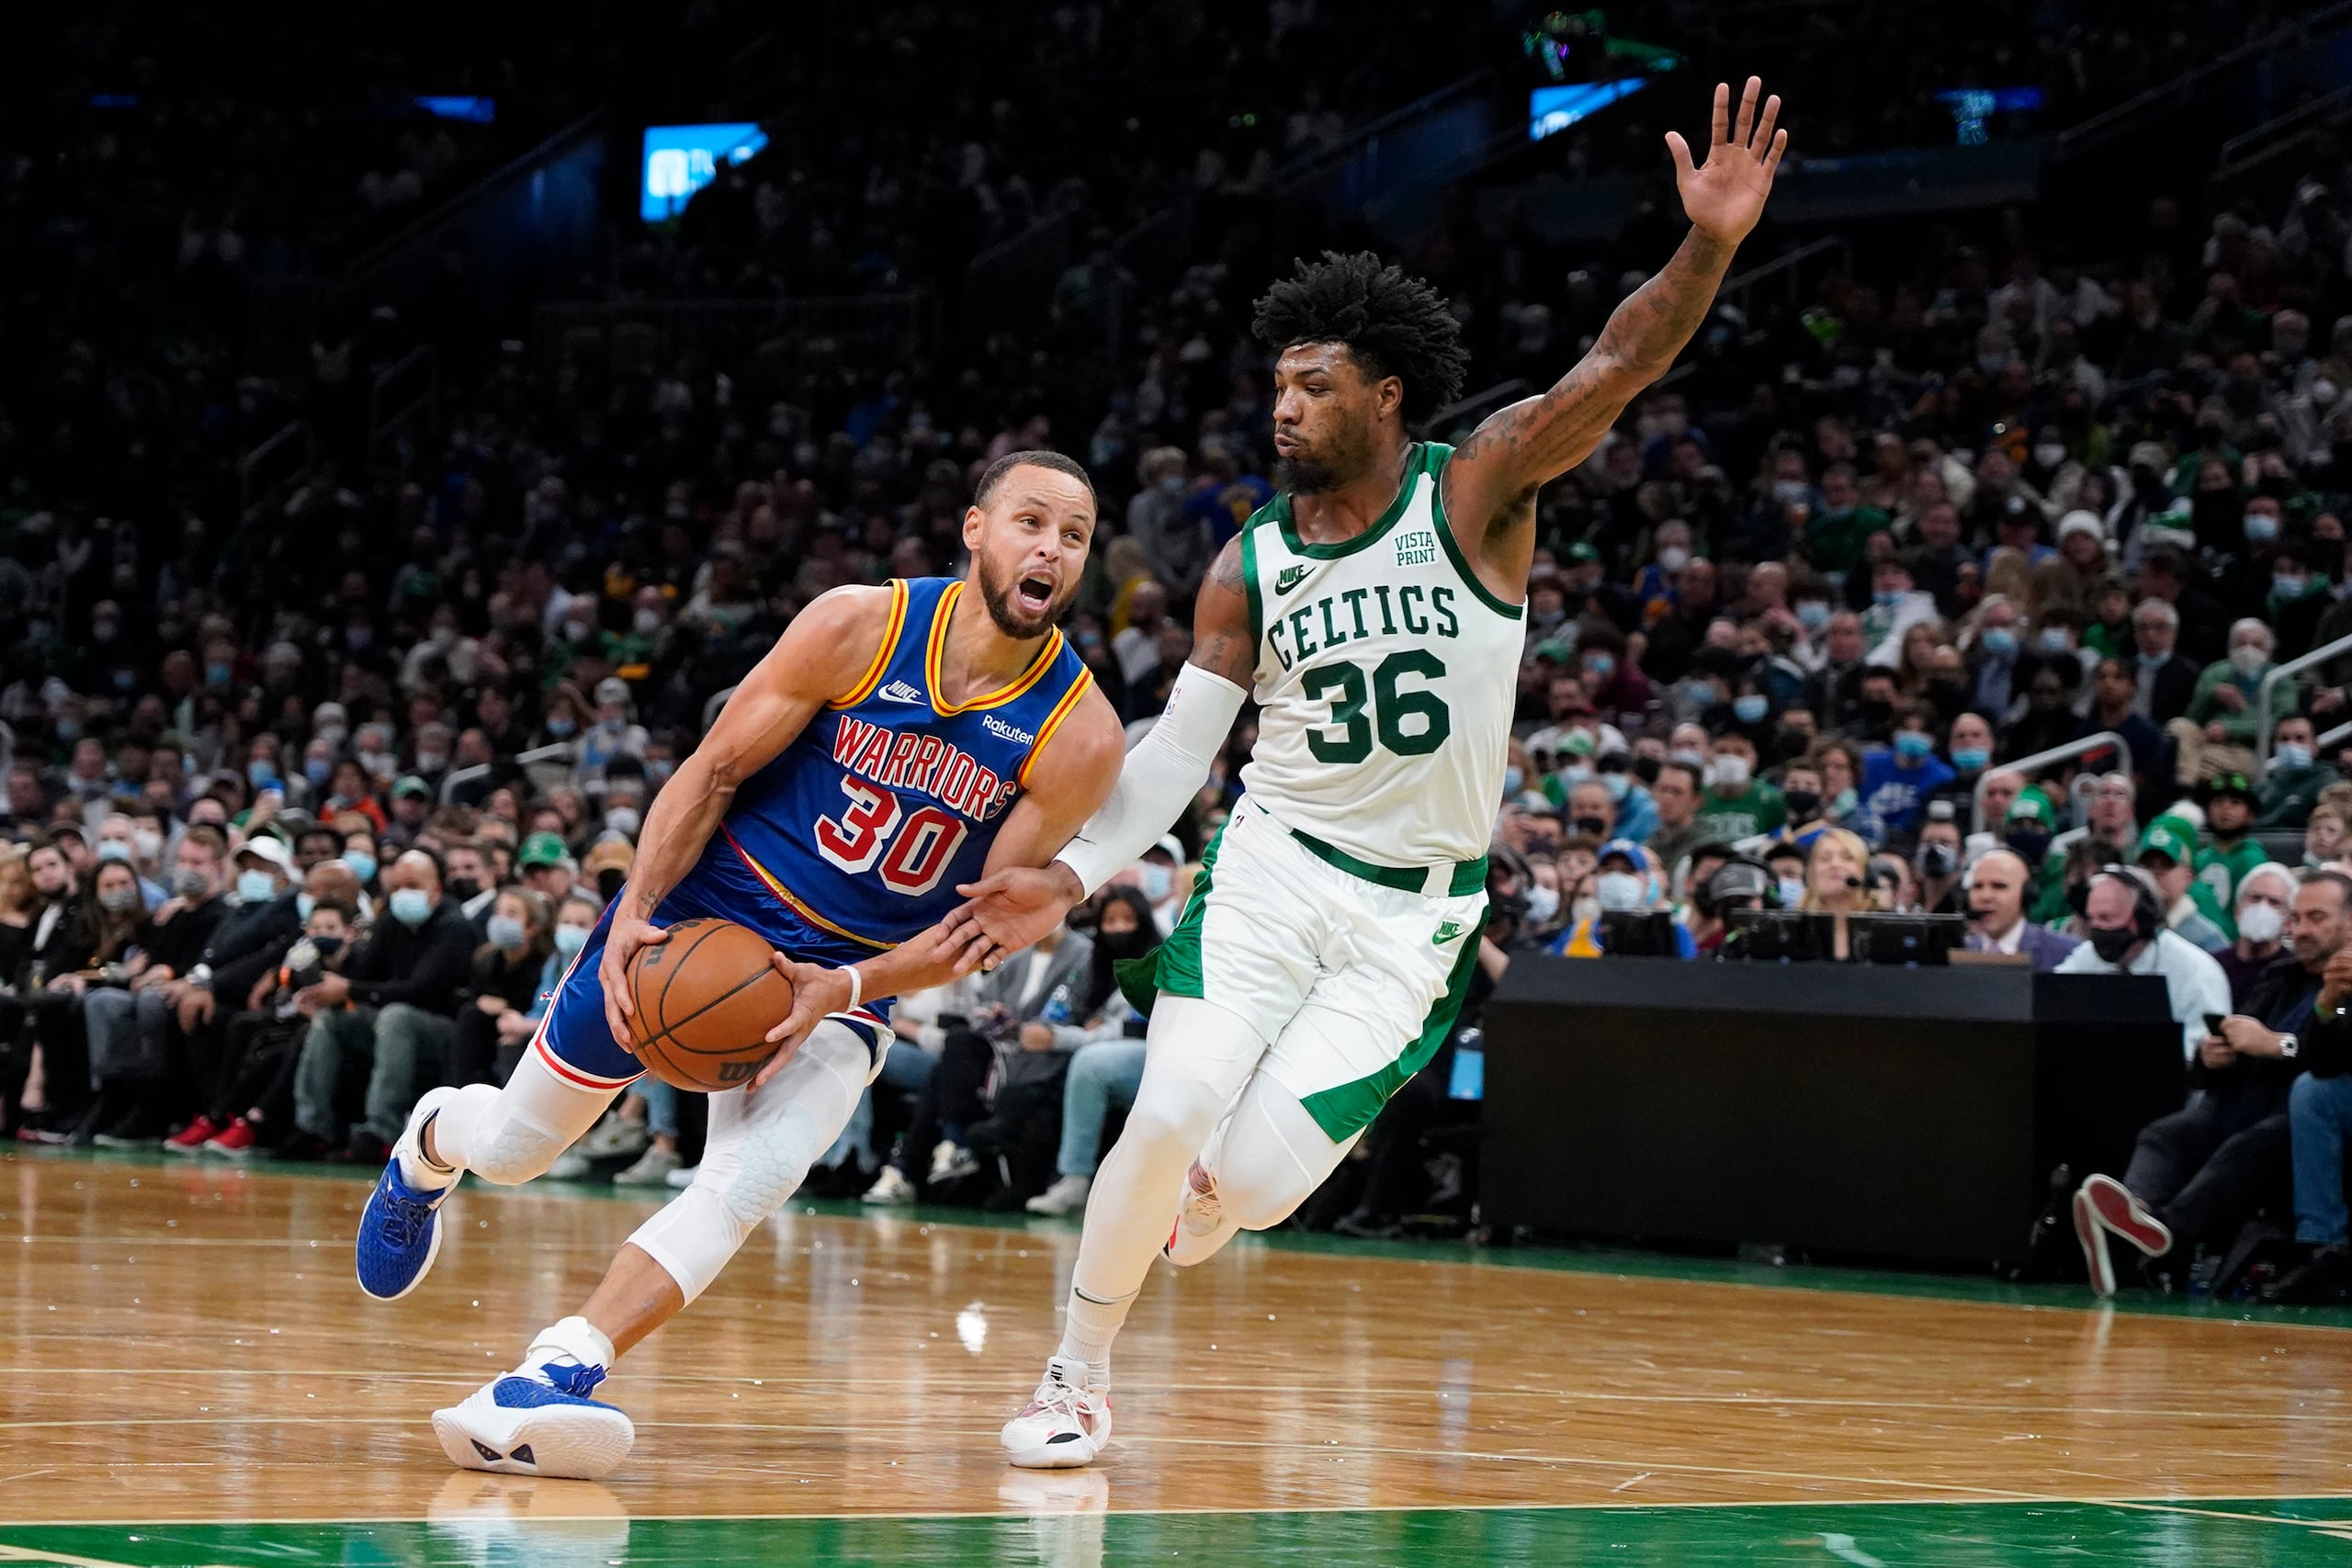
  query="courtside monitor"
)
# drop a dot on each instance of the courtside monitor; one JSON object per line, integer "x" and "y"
{"x": 681, "y": 159}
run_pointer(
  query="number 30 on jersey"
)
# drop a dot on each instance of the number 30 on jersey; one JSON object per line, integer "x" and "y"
{"x": 913, "y": 848}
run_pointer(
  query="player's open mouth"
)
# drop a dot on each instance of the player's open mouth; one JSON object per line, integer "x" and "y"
{"x": 1035, "y": 593}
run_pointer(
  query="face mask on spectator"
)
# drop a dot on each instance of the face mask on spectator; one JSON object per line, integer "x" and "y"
{"x": 432, "y": 761}
{"x": 1971, "y": 759}
{"x": 2261, "y": 923}
{"x": 217, "y": 674}
{"x": 2260, "y": 527}
{"x": 332, "y": 734}
{"x": 647, "y": 622}
{"x": 255, "y": 886}
{"x": 560, "y": 728}
{"x": 2032, "y": 842}
{"x": 1593, "y": 826}
{"x": 569, "y": 939}
{"x": 189, "y": 882}
{"x": 317, "y": 770}
{"x": 148, "y": 842}
{"x": 304, "y": 904}
{"x": 1543, "y": 903}
{"x": 2290, "y": 756}
{"x": 657, "y": 769}
{"x": 504, "y": 931}
{"x": 2248, "y": 658}
{"x": 461, "y": 887}
{"x": 2049, "y": 454}
{"x": 1812, "y": 615}
{"x": 1514, "y": 780}
{"x": 1620, "y": 890}
{"x": 1999, "y": 641}
{"x": 1843, "y": 801}
{"x": 1885, "y": 598}
{"x": 1750, "y": 707}
{"x": 2287, "y": 586}
{"x": 1584, "y": 909}
{"x": 115, "y": 900}
{"x": 325, "y": 946}
{"x": 1601, "y": 666}
{"x": 2111, "y": 942}
{"x": 1802, "y": 803}
{"x": 624, "y": 820}
{"x": 410, "y": 907}
{"x": 362, "y": 865}
{"x": 1728, "y": 774}
{"x": 1158, "y": 881}
{"x": 1938, "y": 860}
{"x": 1914, "y": 745}
{"x": 1618, "y": 785}
{"x": 113, "y": 850}
{"x": 1646, "y": 768}
{"x": 1673, "y": 559}
{"x": 260, "y": 774}
{"x": 2053, "y": 640}
{"x": 1791, "y": 892}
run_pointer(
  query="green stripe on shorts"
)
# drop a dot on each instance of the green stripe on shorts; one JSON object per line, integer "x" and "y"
{"x": 1344, "y": 1111}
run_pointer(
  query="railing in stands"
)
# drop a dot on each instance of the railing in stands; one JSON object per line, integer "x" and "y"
{"x": 404, "y": 394}
{"x": 364, "y": 276}
{"x": 1789, "y": 264}
{"x": 2171, "y": 97}
{"x": 272, "y": 463}
{"x": 2264, "y": 723}
{"x": 2280, "y": 135}
{"x": 2042, "y": 761}
{"x": 867, "y": 330}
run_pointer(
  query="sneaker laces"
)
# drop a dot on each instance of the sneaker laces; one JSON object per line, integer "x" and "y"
{"x": 1064, "y": 1399}
{"x": 405, "y": 1217}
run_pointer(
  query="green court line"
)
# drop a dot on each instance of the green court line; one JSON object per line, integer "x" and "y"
{"x": 1980, "y": 1535}
{"x": 1565, "y": 1257}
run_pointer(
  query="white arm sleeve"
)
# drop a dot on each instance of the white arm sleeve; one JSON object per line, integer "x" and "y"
{"x": 1158, "y": 777}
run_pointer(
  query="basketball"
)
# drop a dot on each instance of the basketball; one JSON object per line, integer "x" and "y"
{"x": 703, "y": 1002}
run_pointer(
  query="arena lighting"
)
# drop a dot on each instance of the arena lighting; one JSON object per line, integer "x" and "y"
{"x": 472, "y": 111}
{"x": 1551, "y": 110}
{"x": 682, "y": 159}
{"x": 1972, "y": 107}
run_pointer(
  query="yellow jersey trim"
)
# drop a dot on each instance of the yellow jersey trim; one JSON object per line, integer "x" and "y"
{"x": 890, "y": 633}
{"x": 1028, "y": 677}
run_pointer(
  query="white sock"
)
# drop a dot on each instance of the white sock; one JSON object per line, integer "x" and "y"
{"x": 575, "y": 1341}
{"x": 421, "y": 1174}
{"x": 1088, "y": 1329}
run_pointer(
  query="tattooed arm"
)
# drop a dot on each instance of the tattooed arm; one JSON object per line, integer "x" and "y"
{"x": 1490, "y": 484}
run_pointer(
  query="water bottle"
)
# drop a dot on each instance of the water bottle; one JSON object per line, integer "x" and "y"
{"x": 1468, "y": 1080}
{"x": 1057, "y": 1008}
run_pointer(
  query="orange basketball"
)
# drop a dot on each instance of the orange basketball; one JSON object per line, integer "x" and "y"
{"x": 705, "y": 1001}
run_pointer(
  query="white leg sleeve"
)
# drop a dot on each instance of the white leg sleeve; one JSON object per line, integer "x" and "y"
{"x": 1197, "y": 1054}
{"x": 759, "y": 1148}
{"x": 511, "y": 1135}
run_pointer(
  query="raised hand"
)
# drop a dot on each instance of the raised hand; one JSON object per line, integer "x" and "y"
{"x": 1014, "y": 907}
{"x": 1725, "y": 195}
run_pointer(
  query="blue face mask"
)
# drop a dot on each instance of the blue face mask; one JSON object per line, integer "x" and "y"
{"x": 503, "y": 931}
{"x": 260, "y": 774}
{"x": 1913, "y": 745}
{"x": 217, "y": 674}
{"x": 1602, "y": 666}
{"x": 412, "y": 906}
{"x": 255, "y": 886}
{"x": 362, "y": 865}
{"x": 1999, "y": 641}
{"x": 1885, "y": 598}
{"x": 1971, "y": 759}
{"x": 1514, "y": 780}
{"x": 569, "y": 939}
{"x": 1812, "y": 615}
{"x": 2286, "y": 588}
{"x": 317, "y": 770}
{"x": 2261, "y": 527}
{"x": 303, "y": 905}
{"x": 1750, "y": 708}
{"x": 2053, "y": 640}
{"x": 560, "y": 728}
{"x": 1618, "y": 785}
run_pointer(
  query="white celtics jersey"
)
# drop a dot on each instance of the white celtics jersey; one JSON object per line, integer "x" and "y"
{"x": 1388, "y": 674}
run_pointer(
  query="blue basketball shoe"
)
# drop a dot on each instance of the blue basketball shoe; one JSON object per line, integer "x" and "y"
{"x": 538, "y": 1424}
{"x": 399, "y": 1234}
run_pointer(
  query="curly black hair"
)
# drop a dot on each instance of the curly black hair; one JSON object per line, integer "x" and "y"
{"x": 1393, "y": 324}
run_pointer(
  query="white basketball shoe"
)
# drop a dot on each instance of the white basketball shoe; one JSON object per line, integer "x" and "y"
{"x": 1199, "y": 1228}
{"x": 1065, "y": 1424}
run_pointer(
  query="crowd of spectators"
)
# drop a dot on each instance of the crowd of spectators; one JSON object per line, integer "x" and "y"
{"x": 308, "y": 814}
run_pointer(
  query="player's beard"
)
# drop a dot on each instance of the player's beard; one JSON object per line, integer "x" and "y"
{"x": 1333, "y": 462}
{"x": 1011, "y": 618}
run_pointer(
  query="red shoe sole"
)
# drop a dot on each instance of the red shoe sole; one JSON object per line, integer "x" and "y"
{"x": 2113, "y": 1203}
{"x": 2096, "y": 1262}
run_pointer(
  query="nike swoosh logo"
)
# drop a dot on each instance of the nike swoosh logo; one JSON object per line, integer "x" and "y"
{"x": 1287, "y": 578}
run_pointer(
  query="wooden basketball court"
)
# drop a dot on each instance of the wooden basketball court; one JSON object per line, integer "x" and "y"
{"x": 191, "y": 1376}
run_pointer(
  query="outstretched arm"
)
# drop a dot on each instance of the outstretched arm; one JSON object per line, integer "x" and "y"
{"x": 1517, "y": 449}
{"x": 1015, "y": 906}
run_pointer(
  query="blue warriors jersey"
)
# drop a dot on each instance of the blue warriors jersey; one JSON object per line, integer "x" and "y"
{"x": 865, "y": 824}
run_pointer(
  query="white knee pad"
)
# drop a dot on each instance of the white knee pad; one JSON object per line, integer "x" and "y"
{"x": 509, "y": 1135}
{"x": 759, "y": 1149}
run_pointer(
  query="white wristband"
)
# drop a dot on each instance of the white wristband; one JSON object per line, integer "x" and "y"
{"x": 856, "y": 984}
